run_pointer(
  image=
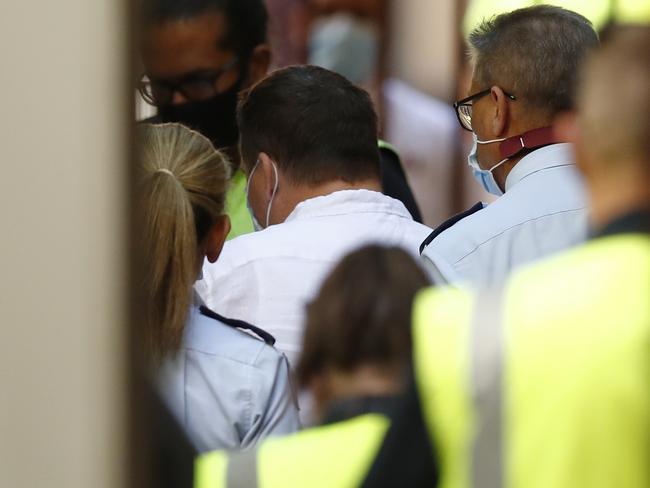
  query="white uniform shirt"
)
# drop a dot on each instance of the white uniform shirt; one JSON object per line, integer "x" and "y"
{"x": 543, "y": 210}
{"x": 266, "y": 278}
{"x": 227, "y": 388}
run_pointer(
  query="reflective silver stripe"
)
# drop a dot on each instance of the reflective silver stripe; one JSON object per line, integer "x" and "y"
{"x": 242, "y": 470}
{"x": 486, "y": 348}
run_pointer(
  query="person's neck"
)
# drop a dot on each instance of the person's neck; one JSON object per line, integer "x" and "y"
{"x": 292, "y": 195}
{"x": 502, "y": 172}
{"x": 614, "y": 195}
{"x": 363, "y": 381}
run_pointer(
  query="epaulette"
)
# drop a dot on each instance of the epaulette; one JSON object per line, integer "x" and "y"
{"x": 450, "y": 223}
{"x": 239, "y": 324}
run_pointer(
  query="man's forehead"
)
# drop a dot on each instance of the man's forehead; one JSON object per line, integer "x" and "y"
{"x": 174, "y": 48}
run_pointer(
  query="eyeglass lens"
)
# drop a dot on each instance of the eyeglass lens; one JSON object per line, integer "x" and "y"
{"x": 465, "y": 116}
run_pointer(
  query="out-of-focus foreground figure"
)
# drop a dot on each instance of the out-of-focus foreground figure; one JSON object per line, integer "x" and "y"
{"x": 357, "y": 348}
{"x": 543, "y": 382}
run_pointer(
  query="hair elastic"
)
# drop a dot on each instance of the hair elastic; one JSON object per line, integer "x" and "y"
{"x": 165, "y": 170}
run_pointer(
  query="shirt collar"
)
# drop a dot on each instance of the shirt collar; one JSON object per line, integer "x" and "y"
{"x": 544, "y": 158}
{"x": 635, "y": 222}
{"x": 346, "y": 202}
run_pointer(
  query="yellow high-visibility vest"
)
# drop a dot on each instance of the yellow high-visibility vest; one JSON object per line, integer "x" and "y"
{"x": 599, "y": 12}
{"x": 240, "y": 218}
{"x": 335, "y": 455}
{"x": 544, "y": 382}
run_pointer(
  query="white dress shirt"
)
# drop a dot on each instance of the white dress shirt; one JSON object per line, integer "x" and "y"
{"x": 268, "y": 277}
{"x": 227, "y": 388}
{"x": 542, "y": 211}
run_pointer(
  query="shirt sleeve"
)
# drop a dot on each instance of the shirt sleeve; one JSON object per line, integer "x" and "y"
{"x": 440, "y": 272}
{"x": 274, "y": 406}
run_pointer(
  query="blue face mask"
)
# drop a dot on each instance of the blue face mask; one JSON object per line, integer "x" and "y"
{"x": 485, "y": 177}
{"x": 256, "y": 224}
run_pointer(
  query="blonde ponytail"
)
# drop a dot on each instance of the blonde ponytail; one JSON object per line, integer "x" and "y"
{"x": 181, "y": 192}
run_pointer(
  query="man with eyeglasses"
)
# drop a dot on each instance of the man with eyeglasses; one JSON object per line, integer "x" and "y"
{"x": 198, "y": 55}
{"x": 525, "y": 69}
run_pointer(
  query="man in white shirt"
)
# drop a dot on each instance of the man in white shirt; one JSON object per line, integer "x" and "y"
{"x": 525, "y": 69}
{"x": 309, "y": 148}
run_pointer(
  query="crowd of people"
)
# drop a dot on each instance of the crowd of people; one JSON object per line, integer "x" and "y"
{"x": 306, "y": 329}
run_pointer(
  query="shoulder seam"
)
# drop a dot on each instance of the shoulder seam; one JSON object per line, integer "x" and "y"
{"x": 514, "y": 227}
{"x": 252, "y": 363}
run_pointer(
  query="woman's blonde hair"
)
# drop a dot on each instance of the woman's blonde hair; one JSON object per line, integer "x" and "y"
{"x": 181, "y": 188}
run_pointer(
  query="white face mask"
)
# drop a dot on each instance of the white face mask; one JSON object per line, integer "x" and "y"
{"x": 256, "y": 225}
{"x": 485, "y": 177}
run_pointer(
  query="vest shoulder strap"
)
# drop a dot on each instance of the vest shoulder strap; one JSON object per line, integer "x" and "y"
{"x": 242, "y": 470}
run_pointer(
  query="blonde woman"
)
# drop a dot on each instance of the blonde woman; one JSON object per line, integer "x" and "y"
{"x": 228, "y": 387}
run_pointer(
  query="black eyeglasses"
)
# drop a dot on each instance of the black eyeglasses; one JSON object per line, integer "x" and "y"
{"x": 195, "y": 87}
{"x": 464, "y": 108}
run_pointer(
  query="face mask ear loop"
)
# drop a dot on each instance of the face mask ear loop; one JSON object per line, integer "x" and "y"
{"x": 275, "y": 190}
{"x": 491, "y": 141}
{"x": 497, "y": 165}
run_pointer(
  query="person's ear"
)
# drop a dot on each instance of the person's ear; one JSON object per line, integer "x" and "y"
{"x": 259, "y": 62}
{"x": 268, "y": 169}
{"x": 501, "y": 111}
{"x": 216, "y": 237}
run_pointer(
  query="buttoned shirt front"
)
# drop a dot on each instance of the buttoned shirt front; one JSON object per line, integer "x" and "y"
{"x": 268, "y": 277}
{"x": 542, "y": 211}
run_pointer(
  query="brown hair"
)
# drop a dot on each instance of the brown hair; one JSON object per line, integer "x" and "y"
{"x": 181, "y": 187}
{"x": 362, "y": 315}
{"x": 614, "y": 100}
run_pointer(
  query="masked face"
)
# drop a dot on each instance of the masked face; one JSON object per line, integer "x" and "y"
{"x": 484, "y": 177}
{"x": 215, "y": 117}
{"x": 186, "y": 53}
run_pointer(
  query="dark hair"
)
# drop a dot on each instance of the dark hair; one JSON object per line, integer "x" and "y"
{"x": 246, "y": 19}
{"x": 315, "y": 124}
{"x": 362, "y": 314}
{"x": 533, "y": 53}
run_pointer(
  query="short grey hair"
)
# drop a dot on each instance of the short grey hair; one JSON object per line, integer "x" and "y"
{"x": 533, "y": 53}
